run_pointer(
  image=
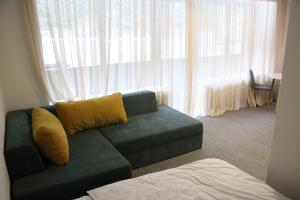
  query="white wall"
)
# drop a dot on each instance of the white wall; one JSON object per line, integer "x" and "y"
{"x": 284, "y": 169}
{"x": 17, "y": 73}
{"x": 4, "y": 180}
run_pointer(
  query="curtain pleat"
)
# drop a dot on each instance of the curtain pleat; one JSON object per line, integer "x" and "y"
{"x": 34, "y": 38}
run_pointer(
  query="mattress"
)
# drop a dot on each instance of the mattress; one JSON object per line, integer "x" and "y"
{"x": 207, "y": 179}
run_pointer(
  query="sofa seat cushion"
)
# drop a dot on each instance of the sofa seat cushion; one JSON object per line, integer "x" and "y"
{"x": 152, "y": 129}
{"x": 93, "y": 162}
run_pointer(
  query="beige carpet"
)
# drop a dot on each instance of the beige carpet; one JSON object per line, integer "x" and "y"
{"x": 242, "y": 138}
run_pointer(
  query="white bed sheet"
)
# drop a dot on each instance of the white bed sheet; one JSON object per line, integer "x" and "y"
{"x": 207, "y": 179}
{"x": 84, "y": 198}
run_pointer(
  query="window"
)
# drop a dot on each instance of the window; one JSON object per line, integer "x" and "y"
{"x": 95, "y": 47}
{"x": 124, "y": 30}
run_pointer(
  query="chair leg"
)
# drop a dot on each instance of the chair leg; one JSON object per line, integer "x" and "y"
{"x": 272, "y": 97}
{"x": 254, "y": 95}
{"x": 273, "y": 87}
{"x": 268, "y": 99}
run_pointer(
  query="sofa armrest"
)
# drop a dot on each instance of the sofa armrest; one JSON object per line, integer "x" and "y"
{"x": 21, "y": 154}
{"x": 137, "y": 103}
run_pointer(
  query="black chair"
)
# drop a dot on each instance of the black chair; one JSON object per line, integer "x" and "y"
{"x": 260, "y": 87}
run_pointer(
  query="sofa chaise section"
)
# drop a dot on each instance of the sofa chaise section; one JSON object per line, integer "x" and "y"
{"x": 155, "y": 136}
{"x": 93, "y": 162}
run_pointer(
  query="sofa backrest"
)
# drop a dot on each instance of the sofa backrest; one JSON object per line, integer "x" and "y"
{"x": 22, "y": 155}
{"x": 137, "y": 103}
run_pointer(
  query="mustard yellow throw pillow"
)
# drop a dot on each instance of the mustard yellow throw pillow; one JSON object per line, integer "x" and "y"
{"x": 50, "y": 136}
{"x": 87, "y": 114}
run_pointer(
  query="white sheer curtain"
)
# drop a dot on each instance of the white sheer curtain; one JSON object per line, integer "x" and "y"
{"x": 195, "y": 54}
{"x": 228, "y": 37}
{"x": 92, "y": 48}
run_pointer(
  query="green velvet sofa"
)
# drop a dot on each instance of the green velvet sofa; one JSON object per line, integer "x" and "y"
{"x": 97, "y": 156}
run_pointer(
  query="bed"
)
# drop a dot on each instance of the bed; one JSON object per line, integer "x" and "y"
{"x": 205, "y": 179}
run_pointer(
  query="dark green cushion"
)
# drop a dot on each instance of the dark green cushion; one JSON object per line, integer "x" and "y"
{"x": 152, "y": 129}
{"x": 93, "y": 162}
{"x": 21, "y": 154}
{"x": 136, "y": 103}
{"x": 162, "y": 152}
